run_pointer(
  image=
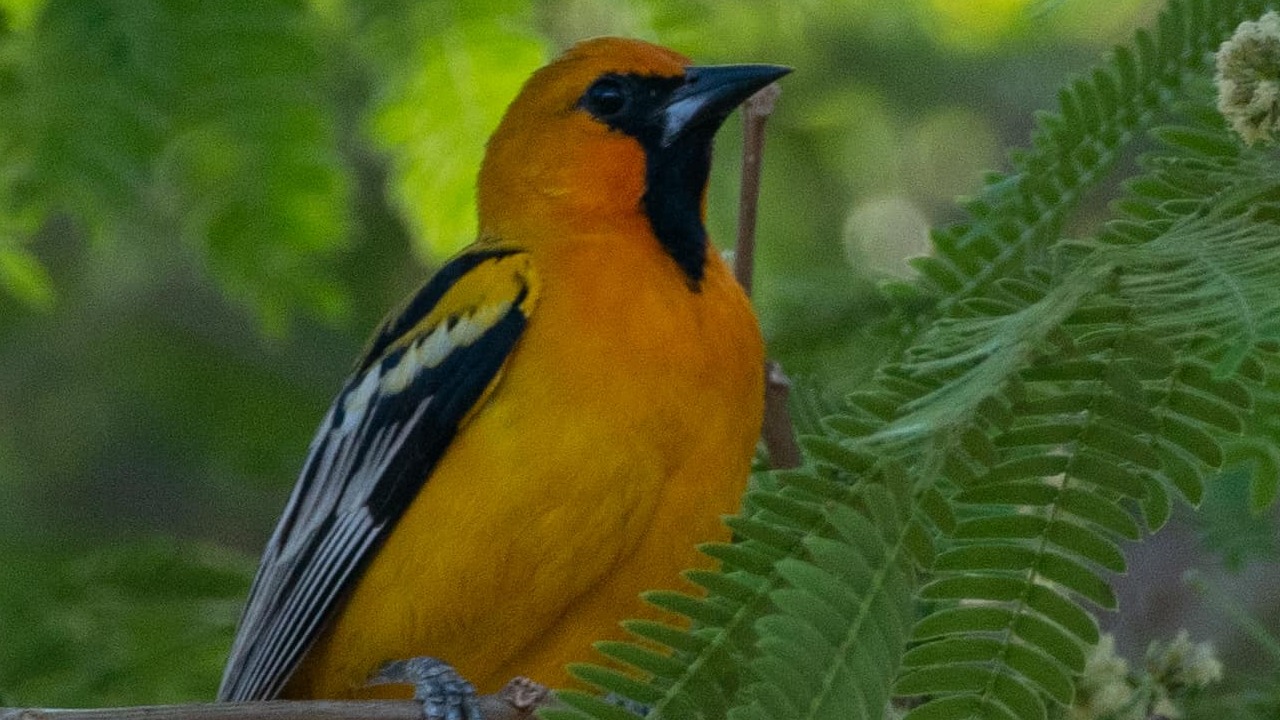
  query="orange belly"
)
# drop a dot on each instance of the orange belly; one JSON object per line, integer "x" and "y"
{"x": 598, "y": 463}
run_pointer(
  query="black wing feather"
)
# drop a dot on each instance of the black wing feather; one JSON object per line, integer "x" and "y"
{"x": 361, "y": 473}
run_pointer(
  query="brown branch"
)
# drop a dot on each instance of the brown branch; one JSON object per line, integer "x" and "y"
{"x": 267, "y": 710}
{"x": 778, "y": 432}
{"x": 517, "y": 701}
{"x": 755, "y": 113}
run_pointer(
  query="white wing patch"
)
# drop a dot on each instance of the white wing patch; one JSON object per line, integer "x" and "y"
{"x": 368, "y": 458}
{"x": 357, "y": 400}
{"x": 425, "y": 353}
{"x": 340, "y": 549}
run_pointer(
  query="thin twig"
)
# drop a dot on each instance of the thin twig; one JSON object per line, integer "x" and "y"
{"x": 755, "y": 113}
{"x": 778, "y": 433}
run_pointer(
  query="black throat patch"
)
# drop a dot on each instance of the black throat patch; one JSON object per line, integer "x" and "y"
{"x": 675, "y": 174}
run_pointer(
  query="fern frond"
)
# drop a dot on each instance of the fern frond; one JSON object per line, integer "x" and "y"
{"x": 830, "y": 649}
{"x": 1017, "y": 217}
{"x": 1066, "y": 394}
{"x": 1058, "y": 404}
{"x": 821, "y": 573}
{"x": 1099, "y": 411}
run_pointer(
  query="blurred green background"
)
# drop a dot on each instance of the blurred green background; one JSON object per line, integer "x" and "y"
{"x": 205, "y": 207}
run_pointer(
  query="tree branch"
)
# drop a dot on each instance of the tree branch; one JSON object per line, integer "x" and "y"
{"x": 517, "y": 701}
{"x": 264, "y": 710}
{"x": 755, "y": 113}
{"x": 778, "y": 432}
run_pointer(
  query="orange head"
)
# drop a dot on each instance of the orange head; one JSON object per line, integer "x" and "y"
{"x": 612, "y": 134}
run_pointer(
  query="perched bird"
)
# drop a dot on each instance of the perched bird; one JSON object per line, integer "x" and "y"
{"x": 549, "y": 426}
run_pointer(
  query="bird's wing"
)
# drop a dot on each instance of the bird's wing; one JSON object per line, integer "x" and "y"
{"x": 425, "y": 370}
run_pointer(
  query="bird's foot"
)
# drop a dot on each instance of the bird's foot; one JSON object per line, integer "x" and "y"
{"x": 443, "y": 692}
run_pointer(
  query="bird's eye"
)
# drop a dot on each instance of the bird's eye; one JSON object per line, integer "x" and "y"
{"x": 606, "y": 96}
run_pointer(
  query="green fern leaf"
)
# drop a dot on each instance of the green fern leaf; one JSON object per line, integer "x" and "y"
{"x": 1063, "y": 394}
{"x": 582, "y": 706}
{"x": 829, "y": 650}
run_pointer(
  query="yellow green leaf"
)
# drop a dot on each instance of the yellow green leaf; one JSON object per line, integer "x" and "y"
{"x": 435, "y": 125}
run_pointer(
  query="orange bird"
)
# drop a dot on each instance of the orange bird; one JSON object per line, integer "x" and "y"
{"x": 549, "y": 426}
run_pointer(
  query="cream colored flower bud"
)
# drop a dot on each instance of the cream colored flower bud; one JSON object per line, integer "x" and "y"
{"x": 1248, "y": 78}
{"x": 1182, "y": 663}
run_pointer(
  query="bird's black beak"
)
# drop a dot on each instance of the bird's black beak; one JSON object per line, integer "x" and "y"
{"x": 710, "y": 93}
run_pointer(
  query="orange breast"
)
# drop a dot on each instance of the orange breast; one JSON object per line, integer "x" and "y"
{"x": 620, "y": 431}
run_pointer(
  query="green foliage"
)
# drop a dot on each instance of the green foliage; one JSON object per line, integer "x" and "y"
{"x": 1058, "y": 384}
{"x": 148, "y": 620}
{"x": 1228, "y": 525}
{"x": 22, "y": 276}
{"x": 134, "y": 119}
{"x": 1063, "y": 394}
{"x": 466, "y": 68}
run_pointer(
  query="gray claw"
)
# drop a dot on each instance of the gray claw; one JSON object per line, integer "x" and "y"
{"x": 444, "y": 694}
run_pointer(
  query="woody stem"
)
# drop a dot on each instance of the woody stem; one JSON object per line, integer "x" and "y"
{"x": 778, "y": 432}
